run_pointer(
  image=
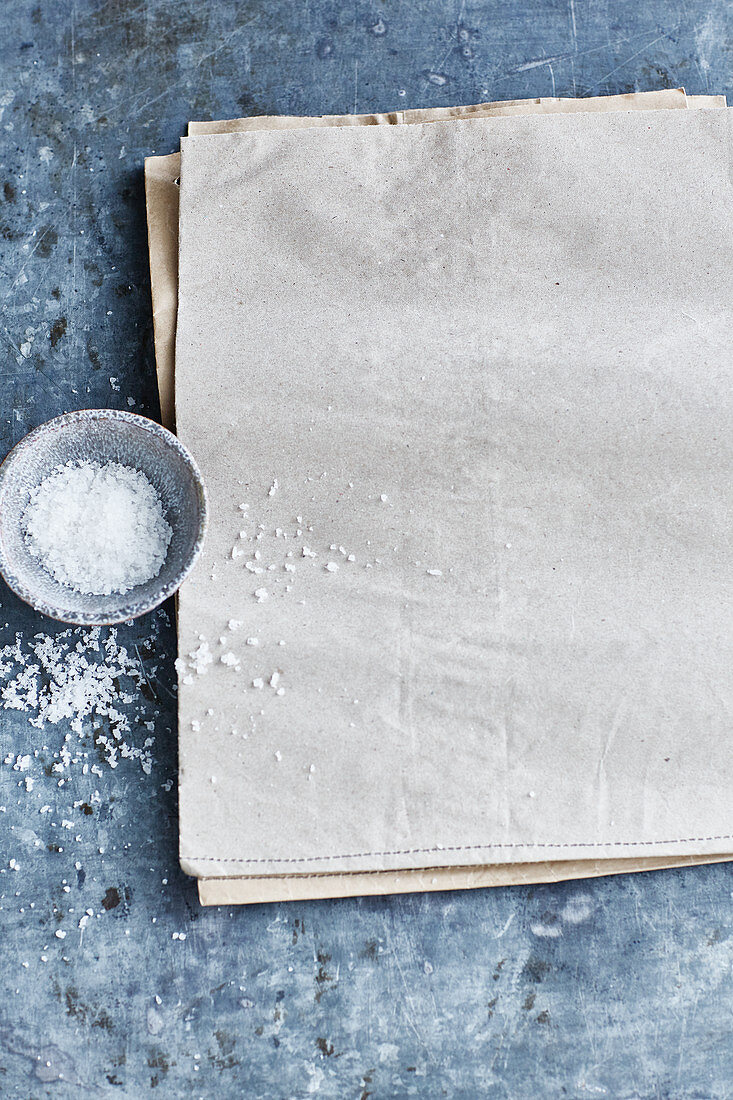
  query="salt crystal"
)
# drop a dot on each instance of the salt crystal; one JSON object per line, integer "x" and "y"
{"x": 234, "y": 624}
{"x": 308, "y": 553}
{"x": 332, "y": 567}
{"x": 97, "y": 528}
{"x": 273, "y": 488}
{"x": 435, "y": 572}
{"x": 73, "y": 676}
{"x": 228, "y": 659}
{"x": 253, "y": 641}
{"x": 261, "y": 594}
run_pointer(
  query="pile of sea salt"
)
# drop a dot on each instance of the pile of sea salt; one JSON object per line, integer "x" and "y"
{"x": 97, "y": 528}
{"x": 72, "y": 677}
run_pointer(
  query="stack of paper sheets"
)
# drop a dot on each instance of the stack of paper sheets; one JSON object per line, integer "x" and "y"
{"x": 459, "y": 383}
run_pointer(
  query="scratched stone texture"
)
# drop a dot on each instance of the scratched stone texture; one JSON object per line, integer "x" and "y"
{"x": 616, "y": 988}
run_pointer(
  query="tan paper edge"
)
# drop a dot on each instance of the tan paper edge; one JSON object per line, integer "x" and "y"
{"x": 251, "y": 891}
{"x": 161, "y": 199}
{"x": 631, "y": 101}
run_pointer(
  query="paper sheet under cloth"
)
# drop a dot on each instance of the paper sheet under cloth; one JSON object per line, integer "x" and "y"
{"x": 162, "y": 203}
{"x": 576, "y": 644}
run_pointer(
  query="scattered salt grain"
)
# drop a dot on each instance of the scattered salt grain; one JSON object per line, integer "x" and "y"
{"x": 435, "y": 572}
{"x": 229, "y": 659}
{"x": 332, "y": 567}
{"x": 74, "y": 676}
{"x": 253, "y": 641}
{"x": 261, "y": 594}
{"x": 97, "y": 528}
{"x": 308, "y": 553}
{"x": 273, "y": 488}
{"x": 234, "y": 624}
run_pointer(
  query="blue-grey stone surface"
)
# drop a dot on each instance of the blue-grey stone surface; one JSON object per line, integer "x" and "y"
{"x": 613, "y": 988}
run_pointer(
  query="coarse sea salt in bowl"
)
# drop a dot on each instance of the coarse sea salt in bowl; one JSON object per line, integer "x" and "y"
{"x": 102, "y": 516}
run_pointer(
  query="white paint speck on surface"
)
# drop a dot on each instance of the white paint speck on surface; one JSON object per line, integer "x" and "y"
{"x": 546, "y": 931}
{"x": 578, "y": 909}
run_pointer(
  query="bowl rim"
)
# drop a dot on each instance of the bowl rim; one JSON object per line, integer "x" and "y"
{"x": 135, "y": 608}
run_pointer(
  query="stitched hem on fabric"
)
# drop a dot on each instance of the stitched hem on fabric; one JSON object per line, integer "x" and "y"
{"x": 456, "y": 848}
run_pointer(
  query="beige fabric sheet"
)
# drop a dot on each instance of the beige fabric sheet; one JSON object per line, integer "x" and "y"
{"x": 162, "y": 194}
{"x": 545, "y": 614}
